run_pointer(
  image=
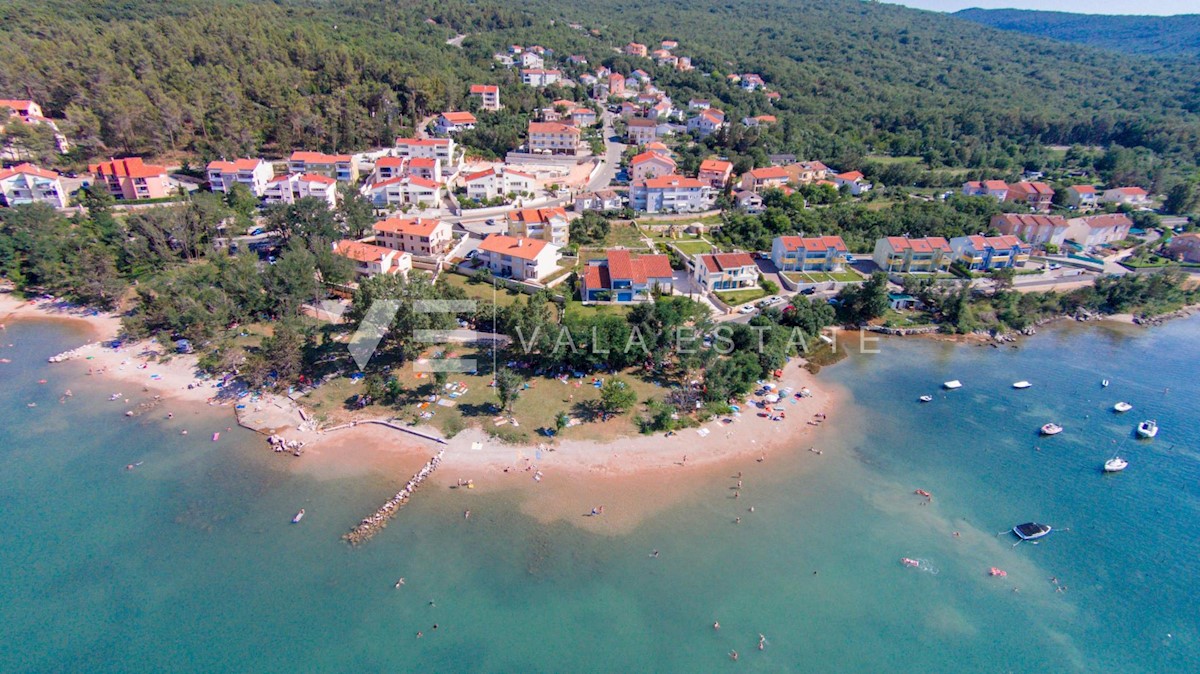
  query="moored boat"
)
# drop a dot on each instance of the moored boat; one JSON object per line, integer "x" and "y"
{"x": 1031, "y": 531}
{"x": 952, "y": 384}
{"x": 1147, "y": 429}
{"x": 1122, "y": 407}
{"x": 299, "y": 516}
{"x": 1104, "y": 383}
{"x": 926, "y": 399}
{"x": 1051, "y": 429}
{"x": 1115, "y": 465}
{"x": 1021, "y": 384}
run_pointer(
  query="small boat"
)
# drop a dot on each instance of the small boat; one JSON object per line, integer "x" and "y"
{"x": 999, "y": 573}
{"x": 1122, "y": 407}
{"x": 1147, "y": 429}
{"x": 926, "y": 399}
{"x": 1104, "y": 383}
{"x": 1031, "y": 531}
{"x": 299, "y": 516}
{"x": 1115, "y": 465}
{"x": 1022, "y": 384}
{"x": 909, "y": 562}
{"x": 952, "y": 384}
{"x": 1051, "y": 429}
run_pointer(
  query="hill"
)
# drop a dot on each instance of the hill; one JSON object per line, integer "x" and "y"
{"x": 1160, "y": 36}
{"x": 179, "y": 77}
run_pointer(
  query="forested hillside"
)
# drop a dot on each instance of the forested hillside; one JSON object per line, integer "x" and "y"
{"x": 1161, "y": 36}
{"x": 236, "y": 77}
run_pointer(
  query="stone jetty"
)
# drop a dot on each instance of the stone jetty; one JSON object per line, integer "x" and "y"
{"x": 378, "y": 521}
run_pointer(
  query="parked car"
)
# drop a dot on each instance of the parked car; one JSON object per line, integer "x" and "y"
{"x": 808, "y": 291}
{"x": 1055, "y": 265}
{"x": 746, "y": 309}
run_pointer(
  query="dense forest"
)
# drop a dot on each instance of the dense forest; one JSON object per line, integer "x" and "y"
{"x": 180, "y": 77}
{"x": 1159, "y": 36}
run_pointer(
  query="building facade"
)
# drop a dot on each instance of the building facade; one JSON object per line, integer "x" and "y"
{"x": 817, "y": 253}
{"x": 929, "y": 255}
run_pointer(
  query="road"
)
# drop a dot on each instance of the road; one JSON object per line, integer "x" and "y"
{"x": 613, "y": 149}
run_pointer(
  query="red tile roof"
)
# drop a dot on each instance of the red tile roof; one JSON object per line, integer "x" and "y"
{"x": 131, "y": 167}
{"x": 924, "y": 245}
{"x": 423, "y": 142}
{"x": 814, "y": 243}
{"x": 318, "y": 157}
{"x": 28, "y": 169}
{"x": 648, "y": 156}
{"x": 314, "y": 178}
{"x": 852, "y": 176}
{"x": 1106, "y": 220}
{"x": 769, "y": 173}
{"x": 1132, "y": 191}
{"x": 525, "y": 248}
{"x": 484, "y": 89}
{"x": 724, "y": 261}
{"x": 479, "y": 174}
{"x": 459, "y": 117}
{"x": 1083, "y": 189}
{"x": 716, "y": 166}
{"x": 552, "y": 127}
{"x": 16, "y": 104}
{"x": 1032, "y": 188}
{"x": 663, "y": 182}
{"x": 362, "y": 252}
{"x": 536, "y": 215}
{"x": 390, "y": 162}
{"x": 995, "y": 185}
{"x": 422, "y": 227}
{"x": 1024, "y": 219}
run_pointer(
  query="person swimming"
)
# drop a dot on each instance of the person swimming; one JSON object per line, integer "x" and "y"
{"x": 399, "y": 583}
{"x": 716, "y": 625}
{"x": 733, "y": 655}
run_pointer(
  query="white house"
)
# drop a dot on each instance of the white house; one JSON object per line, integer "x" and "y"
{"x": 553, "y": 138}
{"x": 406, "y": 190}
{"x": 649, "y": 165}
{"x": 27, "y": 184}
{"x": 338, "y": 166}
{"x": 521, "y": 258}
{"x": 540, "y": 77}
{"x": 441, "y": 149}
{"x": 1082, "y": 197}
{"x": 547, "y": 224}
{"x": 494, "y": 182}
{"x": 454, "y": 122}
{"x": 1091, "y": 231}
{"x": 602, "y": 200}
{"x": 670, "y": 194}
{"x": 1134, "y": 196}
{"x": 253, "y": 173}
{"x": 853, "y": 180}
{"x": 816, "y": 253}
{"x": 371, "y": 260}
{"x": 425, "y": 237}
{"x": 289, "y": 188}
{"x": 531, "y": 60}
{"x": 708, "y": 121}
{"x": 641, "y": 130}
{"x": 997, "y": 189}
{"x": 489, "y": 96}
{"x": 725, "y": 271}
{"x": 756, "y": 180}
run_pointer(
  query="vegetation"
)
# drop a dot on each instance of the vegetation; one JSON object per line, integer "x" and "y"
{"x": 1167, "y": 37}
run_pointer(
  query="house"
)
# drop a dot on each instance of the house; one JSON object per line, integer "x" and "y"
{"x": 670, "y": 194}
{"x": 725, "y": 271}
{"x": 997, "y": 189}
{"x": 521, "y": 258}
{"x": 708, "y": 121}
{"x": 650, "y": 164}
{"x": 494, "y": 182}
{"x": 27, "y": 110}
{"x": 425, "y": 167}
{"x": 1082, "y": 197}
{"x": 756, "y": 180}
{"x": 1036, "y": 195}
{"x": 640, "y": 76}
{"x": 1091, "y": 231}
{"x": 616, "y": 84}
{"x": 752, "y": 81}
{"x": 760, "y": 120}
{"x": 698, "y": 104}
{"x": 440, "y": 149}
{"x": 530, "y": 59}
{"x": 602, "y": 200}
{"x": 131, "y": 179}
{"x": 852, "y": 180}
{"x": 773, "y": 96}
{"x": 806, "y": 172}
{"x": 405, "y": 190}
{"x": 1134, "y": 196}
{"x": 902, "y": 302}
{"x": 1184, "y": 247}
{"x": 582, "y": 117}
{"x": 388, "y": 167}
{"x": 931, "y": 254}
{"x": 663, "y": 109}
{"x": 684, "y": 63}
{"x": 340, "y": 167}
{"x": 489, "y": 96}
{"x": 1038, "y": 230}
{"x": 28, "y": 184}
{"x": 664, "y": 58}
{"x": 668, "y": 44}
{"x": 641, "y": 130}
{"x": 577, "y": 60}
{"x": 984, "y": 253}
{"x": 424, "y": 237}
{"x": 553, "y": 138}
{"x": 622, "y": 278}
{"x": 546, "y": 224}
{"x": 715, "y": 172}
{"x": 454, "y": 122}
{"x": 287, "y": 189}
{"x": 540, "y": 77}
{"x": 629, "y": 110}
{"x": 750, "y": 202}
{"x": 635, "y": 49}
{"x": 371, "y": 260}
{"x": 253, "y": 173}
{"x": 816, "y": 253}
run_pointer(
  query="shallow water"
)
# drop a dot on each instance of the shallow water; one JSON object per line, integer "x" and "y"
{"x": 189, "y": 562}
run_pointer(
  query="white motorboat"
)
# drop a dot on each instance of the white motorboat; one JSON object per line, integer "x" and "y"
{"x": 1031, "y": 531}
{"x": 1104, "y": 383}
{"x": 1051, "y": 429}
{"x": 1115, "y": 465}
{"x": 1147, "y": 429}
{"x": 952, "y": 384}
{"x": 926, "y": 399}
{"x": 1122, "y": 407}
{"x": 299, "y": 516}
{"x": 1022, "y": 384}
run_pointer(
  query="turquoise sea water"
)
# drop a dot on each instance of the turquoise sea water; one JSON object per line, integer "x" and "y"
{"x": 188, "y": 563}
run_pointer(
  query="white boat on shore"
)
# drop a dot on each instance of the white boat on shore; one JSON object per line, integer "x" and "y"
{"x": 1147, "y": 429}
{"x": 1115, "y": 465}
{"x": 1022, "y": 384}
{"x": 299, "y": 516}
{"x": 1051, "y": 429}
{"x": 1122, "y": 407}
{"x": 952, "y": 384}
{"x": 926, "y": 399}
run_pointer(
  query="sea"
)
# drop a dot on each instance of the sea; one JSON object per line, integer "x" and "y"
{"x": 189, "y": 562}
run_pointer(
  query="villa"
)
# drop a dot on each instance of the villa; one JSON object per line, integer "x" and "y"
{"x": 649, "y": 165}
{"x": 853, "y": 181}
{"x": 553, "y": 138}
{"x": 340, "y": 167}
{"x": 288, "y": 189}
{"x": 1038, "y": 230}
{"x": 623, "y": 278}
{"x": 547, "y": 224}
{"x": 440, "y": 149}
{"x": 725, "y": 271}
{"x": 489, "y": 96}
{"x": 984, "y": 253}
{"x": 1082, "y": 197}
{"x": 670, "y": 194}
{"x": 1092, "y": 231}
{"x": 28, "y": 184}
{"x": 818, "y": 253}
{"x": 1133, "y": 196}
{"x": 423, "y": 237}
{"x": 641, "y": 130}
{"x": 902, "y": 254}
{"x": 715, "y": 172}
{"x": 454, "y": 122}
{"x": 499, "y": 181}
{"x": 371, "y": 260}
{"x": 997, "y": 189}
{"x": 1036, "y": 195}
{"x": 130, "y": 179}
{"x": 540, "y": 77}
{"x": 522, "y": 258}
{"x": 602, "y": 200}
{"x": 405, "y": 190}
{"x": 253, "y": 173}
{"x": 707, "y": 122}
{"x": 756, "y": 180}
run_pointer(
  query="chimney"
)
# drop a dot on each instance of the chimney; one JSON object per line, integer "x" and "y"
{"x": 520, "y": 242}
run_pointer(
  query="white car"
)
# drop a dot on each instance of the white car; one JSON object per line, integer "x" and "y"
{"x": 746, "y": 309}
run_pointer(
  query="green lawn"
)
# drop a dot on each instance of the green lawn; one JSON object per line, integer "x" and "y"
{"x": 906, "y": 319}
{"x": 706, "y": 220}
{"x": 577, "y": 309}
{"x": 736, "y": 297}
{"x": 624, "y": 236}
{"x": 694, "y": 247}
{"x": 482, "y": 291}
{"x": 823, "y": 277}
